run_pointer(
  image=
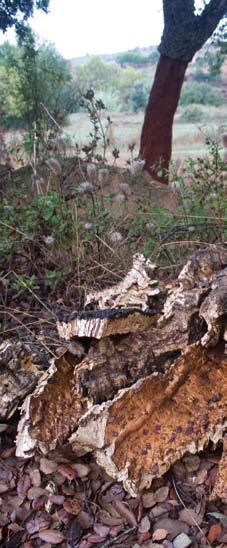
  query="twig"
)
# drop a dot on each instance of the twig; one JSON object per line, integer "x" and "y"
{"x": 191, "y": 515}
{"x": 113, "y": 541}
{"x": 51, "y": 117}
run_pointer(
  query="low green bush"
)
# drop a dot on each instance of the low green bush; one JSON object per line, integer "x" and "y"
{"x": 201, "y": 94}
{"x": 192, "y": 114}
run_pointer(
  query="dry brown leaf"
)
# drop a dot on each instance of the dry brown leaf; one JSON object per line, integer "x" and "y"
{"x": 144, "y": 525}
{"x": 190, "y": 517}
{"x": 52, "y": 536}
{"x": 72, "y": 506}
{"x": 47, "y": 466}
{"x": 161, "y": 494}
{"x": 159, "y": 534}
{"x": 67, "y": 471}
{"x": 124, "y": 511}
{"x": 149, "y": 499}
{"x": 214, "y": 532}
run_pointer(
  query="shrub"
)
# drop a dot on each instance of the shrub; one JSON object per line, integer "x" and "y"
{"x": 200, "y": 93}
{"x": 110, "y": 98}
{"x": 139, "y": 96}
{"x": 192, "y": 114}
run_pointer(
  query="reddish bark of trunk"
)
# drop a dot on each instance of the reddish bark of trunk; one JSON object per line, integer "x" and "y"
{"x": 156, "y": 137}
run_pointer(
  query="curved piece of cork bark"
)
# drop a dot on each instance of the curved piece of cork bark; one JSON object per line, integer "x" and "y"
{"x": 220, "y": 487}
{"x": 20, "y": 370}
{"x": 134, "y": 290}
{"x": 104, "y": 323}
{"x": 140, "y": 434}
{"x": 141, "y": 401}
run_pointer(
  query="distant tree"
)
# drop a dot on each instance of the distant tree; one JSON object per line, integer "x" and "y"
{"x": 14, "y": 13}
{"x": 132, "y": 58}
{"x": 184, "y": 34}
{"x": 96, "y": 74}
{"x": 33, "y": 75}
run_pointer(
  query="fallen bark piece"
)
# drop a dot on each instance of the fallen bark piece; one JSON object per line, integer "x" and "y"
{"x": 214, "y": 308}
{"x": 51, "y": 413}
{"x": 135, "y": 290}
{"x": 220, "y": 486}
{"x": 104, "y": 323}
{"x": 20, "y": 370}
{"x": 147, "y": 427}
{"x": 202, "y": 265}
{"x": 140, "y": 401}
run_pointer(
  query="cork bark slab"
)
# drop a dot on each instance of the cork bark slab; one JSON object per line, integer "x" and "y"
{"x": 141, "y": 400}
{"x": 146, "y": 428}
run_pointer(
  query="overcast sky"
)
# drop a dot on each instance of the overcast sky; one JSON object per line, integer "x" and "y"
{"x": 78, "y": 27}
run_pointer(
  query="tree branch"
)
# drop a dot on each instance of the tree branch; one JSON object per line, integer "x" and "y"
{"x": 184, "y": 32}
{"x": 210, "y": 17}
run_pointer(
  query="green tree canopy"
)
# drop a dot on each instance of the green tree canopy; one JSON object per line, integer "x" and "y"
{"x": 14, "y": 13}
{"x": 32, "y": 75}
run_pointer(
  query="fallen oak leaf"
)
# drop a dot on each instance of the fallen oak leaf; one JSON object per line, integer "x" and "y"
{"x": 124, "y": 511}
{"x": 214, "y": 532}
{"x": 72, "y": 506}
{"x": 51, "y": 536}
{"x": 159, "y": 534}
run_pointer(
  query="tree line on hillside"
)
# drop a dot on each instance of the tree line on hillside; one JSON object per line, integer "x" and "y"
{"x": 185, "y": 32}
{"x": 33, "y": 75}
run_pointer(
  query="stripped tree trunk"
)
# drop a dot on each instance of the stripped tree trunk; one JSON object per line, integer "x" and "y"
{"x": 184, "y": 34}
{"x": 156, "y": 138}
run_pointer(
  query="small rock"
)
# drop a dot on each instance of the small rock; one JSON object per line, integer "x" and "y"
{"x": 182, "y": 541}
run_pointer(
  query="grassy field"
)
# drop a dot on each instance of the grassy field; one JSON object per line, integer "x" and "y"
{"x": 188, "y": 138}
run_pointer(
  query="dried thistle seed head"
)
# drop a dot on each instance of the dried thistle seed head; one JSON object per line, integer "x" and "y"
{"x": 120, "y": 197}
{"x": 84, "y": 187}
{"x": 124, "y": 187}
{"x": 175, "y": 185}
{"x": 54, "y": 165}
{"x": 137, "y": 167}
{"x": 49, "y": 240}
{"x": 115, "y": 237}
{"x": 103, "y": 176}
{"x": 92, "y": 172}
{"x": 37, "y": 181}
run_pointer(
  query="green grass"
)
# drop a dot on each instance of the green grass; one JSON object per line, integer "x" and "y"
{"x": 188, "y": 138}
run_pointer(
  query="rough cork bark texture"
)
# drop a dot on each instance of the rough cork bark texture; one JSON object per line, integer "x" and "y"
{"x": 140, "y": 401}
{"x": 19, "y": 373}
